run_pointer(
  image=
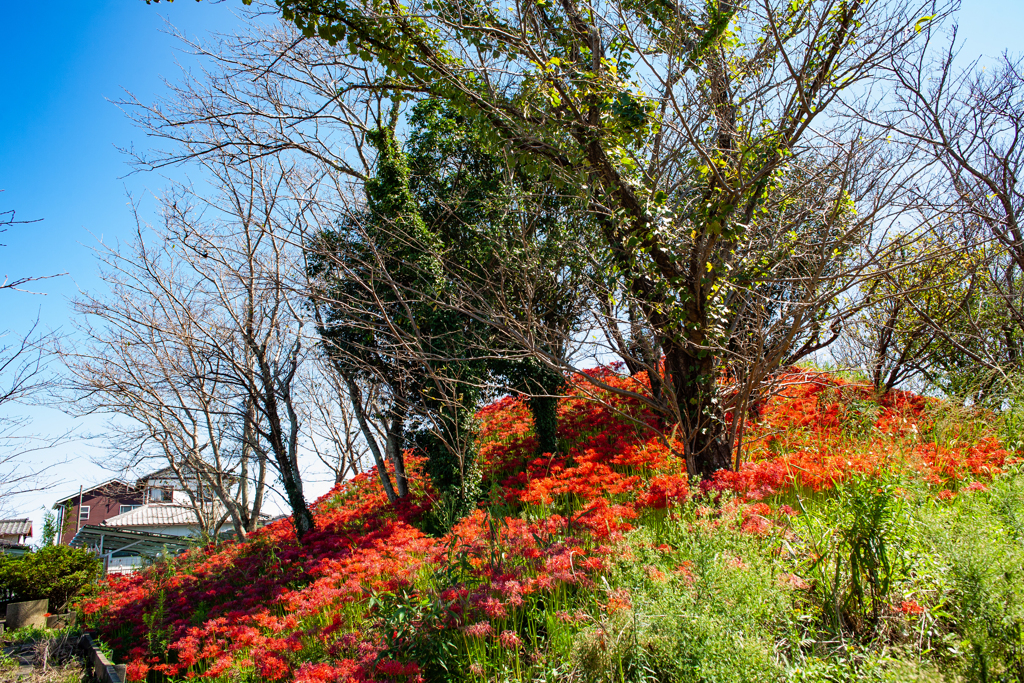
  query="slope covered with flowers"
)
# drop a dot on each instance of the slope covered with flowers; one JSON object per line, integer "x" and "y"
{"x": 368, "y": 596}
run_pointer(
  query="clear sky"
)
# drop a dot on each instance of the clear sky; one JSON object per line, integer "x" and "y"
{"x": 62, "y": 64}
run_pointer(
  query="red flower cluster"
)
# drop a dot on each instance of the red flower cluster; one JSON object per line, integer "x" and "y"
{"x": 800, "y": 440}
{"x": 275, "y": 609}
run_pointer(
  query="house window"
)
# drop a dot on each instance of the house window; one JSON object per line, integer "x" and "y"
{"x": 84, "y": 512}
{"x": 162, "y": 494}
{"x": 128, "y": 508}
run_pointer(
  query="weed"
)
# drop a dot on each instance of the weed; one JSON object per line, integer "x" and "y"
{"x": 854, "y": 539}
{"x": 981, "y": 585}
{"x": 27, "y": 634}
{"x": 157, "y": 637}
{"x": 414, "y": 628}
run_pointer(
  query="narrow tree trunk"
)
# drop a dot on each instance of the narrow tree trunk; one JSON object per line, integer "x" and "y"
{"x": 356, "y": 398}
{"x": 301, "y": 516}
{"x": 545, "y": 422}
{"x": 394, "y": 450}
{"x": 257, "y": 505}
{"x": 547, "y": 385}
{"x": 284, "y": 447}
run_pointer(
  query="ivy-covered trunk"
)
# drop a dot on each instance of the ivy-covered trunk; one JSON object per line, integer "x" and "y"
{"x": 544, "y": 385}
{"x": 691, "y": 374}
{"x": 393, "y": 448}
{"x": 451, "y": 451}
{"x": 545, "y": 422}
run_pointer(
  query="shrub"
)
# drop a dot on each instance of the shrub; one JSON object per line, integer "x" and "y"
{"x": 58, "y": 573}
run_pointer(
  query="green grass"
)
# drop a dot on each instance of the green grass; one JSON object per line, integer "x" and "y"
{"x": 941, "y": 593}
{"x": 875, "y": 581}
{"x": 36, "y": 633}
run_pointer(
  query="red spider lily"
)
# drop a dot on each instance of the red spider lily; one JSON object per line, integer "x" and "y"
{"x": 685, "y": 572}
{"x": 618, "y": 600}
{"x": 910, "y": 607}
{"x": 137, "y": 670}
{"x": 271, "y": 604}
{"x": 510, "y": 640}
{"x": 480, "y": 629}
{"x": 655, "y": 574}
{"x": 792, "y": 581}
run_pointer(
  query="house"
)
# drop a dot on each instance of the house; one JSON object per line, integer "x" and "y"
{"x": 15, "y": 531}
{"x": 14, "y": 549}
{"x": 114, "y": 498}
{"x": 95, "y": 505}
{"x": 171, "y": 518}
{"x": 166, "y": 486}
{"x": 123, "y": 523}
{"x": 14, "y": 534}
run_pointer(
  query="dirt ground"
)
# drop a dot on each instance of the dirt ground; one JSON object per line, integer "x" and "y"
{"x": 44, "y": 661}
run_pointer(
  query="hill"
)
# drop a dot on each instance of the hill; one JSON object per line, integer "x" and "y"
{"x": 863, "y": 538}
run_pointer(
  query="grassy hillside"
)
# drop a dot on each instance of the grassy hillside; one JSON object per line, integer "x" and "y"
{"x": 864, "y": 539}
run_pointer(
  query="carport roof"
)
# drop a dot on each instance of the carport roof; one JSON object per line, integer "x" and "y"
{"x": 107, "y": 539}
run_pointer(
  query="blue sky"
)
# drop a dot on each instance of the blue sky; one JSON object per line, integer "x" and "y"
{"x": 62, "y": 63}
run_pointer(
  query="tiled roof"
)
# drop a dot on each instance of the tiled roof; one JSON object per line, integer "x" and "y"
{"x": 15, "y": 527}
{"x": 155, "y": 514}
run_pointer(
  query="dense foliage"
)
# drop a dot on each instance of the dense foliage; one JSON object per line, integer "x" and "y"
{"x": 603, "y": 563}
{"x": 443, "y": 217}
{"x": 55, "y": 572}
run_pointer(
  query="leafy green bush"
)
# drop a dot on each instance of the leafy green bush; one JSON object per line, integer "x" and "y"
{"x": 58, "y": 573}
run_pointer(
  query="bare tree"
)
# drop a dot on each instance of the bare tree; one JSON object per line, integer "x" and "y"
{"x": 967, "y": 123}
{"x": 268, "y": 96}
{"x": 137, "y": 356}
{"x": 23, "y": 375}
{"x": 267, "y": 92}
{"x": 200, "y": 341}
{"x": 7, "y": 219}
{"x": 334, "y": 431}
{"x": 912, "y": 290}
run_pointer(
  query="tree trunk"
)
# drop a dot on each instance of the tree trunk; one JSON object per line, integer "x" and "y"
{"x": 393, "y": 448}
{"x": 284, "y": 446}
{"x": 301, "y": 515}
{"x": 543, "y": 403}
{"x": 545, "y": 422}
{"x": 356, "y": 397}
{"x": 691, "y": 375}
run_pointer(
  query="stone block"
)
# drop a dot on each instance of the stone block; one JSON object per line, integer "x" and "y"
{"x": 61, "y": 620}
{"x": 30, "y": 613}
{"x": 103, "y": 670}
